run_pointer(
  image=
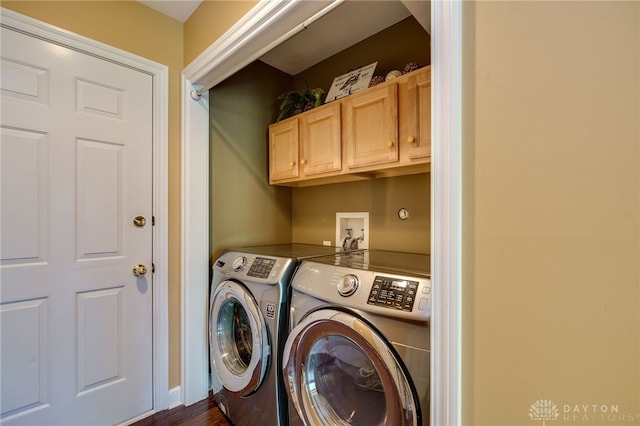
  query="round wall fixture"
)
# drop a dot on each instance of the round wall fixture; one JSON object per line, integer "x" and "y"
{"x": 403, "y": 214}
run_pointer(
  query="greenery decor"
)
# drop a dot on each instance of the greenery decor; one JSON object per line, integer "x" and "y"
{"x": 294, "y": 102}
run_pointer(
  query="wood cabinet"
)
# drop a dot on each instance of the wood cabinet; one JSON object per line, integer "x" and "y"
{"x": 320, "y": 141}
{"x": 306, "y": 146}
{"x": 283, "y": 150}
{"x": 371, "y": 128}
{"x": 384, "y": 130}
{"x": 414, "y": 99}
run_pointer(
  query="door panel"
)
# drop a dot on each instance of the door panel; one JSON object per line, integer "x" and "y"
{"x": 24, "y": 226}
{"x": 99, "y": 172}
{"x": 24, "y": 355}
{"x": 76, "y": 157}
{"x": 100, "y": 338}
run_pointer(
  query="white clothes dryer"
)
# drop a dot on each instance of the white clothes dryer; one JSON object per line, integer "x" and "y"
{"x": 358, "y": 352}
{"x": 248, "y": 322}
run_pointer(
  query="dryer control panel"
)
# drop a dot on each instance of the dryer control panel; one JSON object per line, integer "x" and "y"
{"x": 250, "y": 267}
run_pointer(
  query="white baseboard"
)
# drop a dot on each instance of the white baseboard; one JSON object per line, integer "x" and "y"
{"x": 174, "y": 398}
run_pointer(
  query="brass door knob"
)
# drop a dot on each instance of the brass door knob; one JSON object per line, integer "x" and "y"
{"x": 139, "y": 221}
{"x": 139, "y": 270}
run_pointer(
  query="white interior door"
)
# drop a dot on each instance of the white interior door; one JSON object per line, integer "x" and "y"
{"x": 75, "y": 158}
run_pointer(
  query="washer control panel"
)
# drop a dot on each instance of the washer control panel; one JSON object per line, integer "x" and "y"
{"x": 261, "y": 267}
{"x": 385, "y": 293}
{"x": 393, "y": 293}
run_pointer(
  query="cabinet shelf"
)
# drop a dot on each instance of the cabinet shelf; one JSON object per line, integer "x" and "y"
{"x": 381, "y": 131}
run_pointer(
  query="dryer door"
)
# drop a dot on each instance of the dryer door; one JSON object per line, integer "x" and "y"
{"x": 338, "y": 370}
{"x": 238, "y": 340}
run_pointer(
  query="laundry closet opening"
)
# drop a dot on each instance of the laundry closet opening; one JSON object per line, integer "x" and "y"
{"x": 246, "y": 210}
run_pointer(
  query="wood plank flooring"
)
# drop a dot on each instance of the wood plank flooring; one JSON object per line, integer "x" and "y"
{"x": 203, "y": 413}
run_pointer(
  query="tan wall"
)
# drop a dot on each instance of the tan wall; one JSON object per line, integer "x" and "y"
{"x": 210, "y": 21}
{"x": 314, "y": 212}
{"x": 135, "y": 28}
{"x": 552, "y": 253}
{"x": 245, "y": 209}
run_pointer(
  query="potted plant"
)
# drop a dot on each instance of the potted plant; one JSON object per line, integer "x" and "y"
{"x": 294, "y": 102}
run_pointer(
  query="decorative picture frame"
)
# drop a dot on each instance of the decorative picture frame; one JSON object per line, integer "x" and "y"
{"x": 350, "y": 82}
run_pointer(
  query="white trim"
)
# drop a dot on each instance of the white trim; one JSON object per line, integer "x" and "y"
{"x": 137, "y": 418}
{"x": 446, "y": 214}
{"x": 267, "y": 22}
{"x": 160, "y": 75}
{"x": 194, "y": 369}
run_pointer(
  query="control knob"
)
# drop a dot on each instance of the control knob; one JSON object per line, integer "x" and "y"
{"x": 238, "y": 263}
{"x": 348, "y": 285}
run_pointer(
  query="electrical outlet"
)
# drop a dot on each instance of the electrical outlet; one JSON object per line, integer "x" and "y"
{"x": 326, "y": 243}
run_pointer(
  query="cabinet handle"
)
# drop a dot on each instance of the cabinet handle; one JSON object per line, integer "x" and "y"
{"x": 292, "y": 163}
{"x": 303, "y": 161}
{"x": 390, "y": 144}
{"x": 411, "y": 139}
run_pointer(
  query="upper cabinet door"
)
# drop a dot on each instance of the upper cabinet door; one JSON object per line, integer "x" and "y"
{"x": 371, "y": 127}
{"x": 320, "y": 141}
{"x": 283, "y": 150}
{"x": 415, "y": 117}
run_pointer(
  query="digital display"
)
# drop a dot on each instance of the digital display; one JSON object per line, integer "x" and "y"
{"x": 399, "y": 284}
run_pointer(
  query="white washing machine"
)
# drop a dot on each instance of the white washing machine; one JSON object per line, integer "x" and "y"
{"x": 358, "y": 352}
{"x": 248, "y": 322}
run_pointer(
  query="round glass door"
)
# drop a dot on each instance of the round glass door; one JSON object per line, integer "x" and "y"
{"x": 238, "y": 340}
{"x": 340, "y": 371}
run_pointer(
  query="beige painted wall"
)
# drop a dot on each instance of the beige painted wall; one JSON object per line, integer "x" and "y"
{"x": 245, "y": 209}
{"x": 130, "y": 26}
{"x": 552, "y": 211}
{"x": 315, "y": 207}
{"x": 210, "y": 21}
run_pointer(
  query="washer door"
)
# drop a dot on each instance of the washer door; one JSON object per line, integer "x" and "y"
{"x": 338, "y": 370}
{"x": 238, "y": 340}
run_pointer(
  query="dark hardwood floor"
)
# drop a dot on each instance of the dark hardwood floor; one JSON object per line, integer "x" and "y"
{"x": 203, "y": 413}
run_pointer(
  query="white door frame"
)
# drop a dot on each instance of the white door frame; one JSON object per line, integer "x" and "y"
{"x": 261, "y": 29}
{"x": 159, "y": 74}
